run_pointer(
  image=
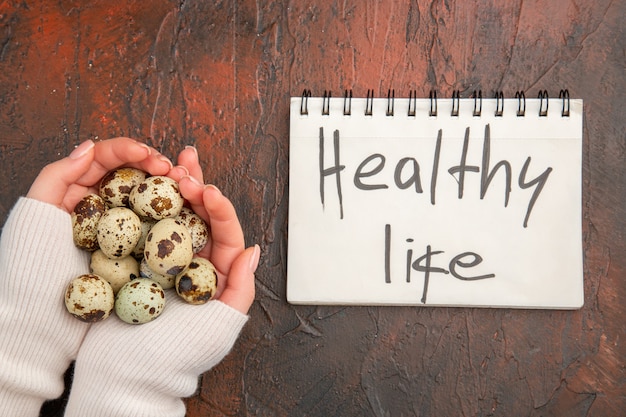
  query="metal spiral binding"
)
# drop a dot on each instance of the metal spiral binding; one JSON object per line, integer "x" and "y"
{"x": 391, "y": 96}
{"x": 521, "y": 103}
{"x": 369, "y": 103}
{"x": 432, "y": 112}
{"x": 543, "y": 96}
{"x": 347, "y": 103}
{"x": 433, "y": 103}
{"x": 478, "y": 103}
{"x": 564, "y": 96}
{"x": 326, "y": 103}
{"x": 412, "y": 103}
{"x": 499, "y": 103}
{"x": 456, "y": 96}
{"x": 304, "y": 103}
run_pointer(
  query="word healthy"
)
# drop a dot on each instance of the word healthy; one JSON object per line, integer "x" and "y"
{"x": 375, "y": 163}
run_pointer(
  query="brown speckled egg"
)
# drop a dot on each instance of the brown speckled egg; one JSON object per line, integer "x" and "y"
{"x": 146, "y": 225}
{"x": 139, "y": 301}
{"x": 168, "y": 247}
{"x": 165, "y": 281}
{"x": 116, "y": 185}
{"x": 119, "y": 230}
{"x": 89, "y": 298}
{"x": 157, "y": 198}
{"x": 197, "y": 284}
{"x": 85, "y": 218}
{"x": 198, "y": 229}
{"x": 117, "y": 271}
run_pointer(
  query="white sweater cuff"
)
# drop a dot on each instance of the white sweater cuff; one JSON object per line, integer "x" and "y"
{"x": 38, "y": 338}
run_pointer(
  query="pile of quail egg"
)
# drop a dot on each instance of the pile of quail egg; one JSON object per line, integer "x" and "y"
{"x": 143, "y": 240}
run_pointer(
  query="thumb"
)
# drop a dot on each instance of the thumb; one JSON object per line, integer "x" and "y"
{"x": 55, "y": 179}
{"x": 239, "y": 291}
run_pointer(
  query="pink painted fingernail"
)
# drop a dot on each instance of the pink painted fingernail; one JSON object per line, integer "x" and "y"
{"x": 82, "y": 149}
{"x": 254, "y": 259}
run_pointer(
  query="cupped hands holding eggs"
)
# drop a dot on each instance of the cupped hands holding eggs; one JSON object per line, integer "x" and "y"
{"x": 143, "y": 240}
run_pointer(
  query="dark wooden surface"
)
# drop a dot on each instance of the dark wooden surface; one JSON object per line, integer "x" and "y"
{"x": 219, "y": 76}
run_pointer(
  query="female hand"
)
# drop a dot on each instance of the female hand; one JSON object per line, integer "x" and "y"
{"x": 37, "y": 260}
{"x": 63, "y": 183}
{"x": 146, "y": 369}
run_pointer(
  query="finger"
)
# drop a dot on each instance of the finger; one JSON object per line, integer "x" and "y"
{"x": 55, "y": 179}
{"x": 189, "y": 159}
{"x": 114, "y": 153}
{"x": 239, "y": 291}
{"x": 193, "y": 190}
{"x": 227, "y": 240}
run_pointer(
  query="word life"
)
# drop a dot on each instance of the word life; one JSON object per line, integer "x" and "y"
{"x": 459, "y": 266}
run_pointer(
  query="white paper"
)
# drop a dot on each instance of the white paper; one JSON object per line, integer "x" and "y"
{"x": 404, "y": 221}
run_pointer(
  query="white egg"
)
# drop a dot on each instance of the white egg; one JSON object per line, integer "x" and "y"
{"x": 119, "y": 230}
{"x": 168, "y": 247}
{"x": 197, "y": 284}
{"x": 157, "y": 198}
{"x": 139, "y": 301}
{"x": 89, "y": 298}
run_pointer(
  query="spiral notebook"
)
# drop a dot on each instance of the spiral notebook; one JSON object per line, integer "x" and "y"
{"x": 436, "y": 201}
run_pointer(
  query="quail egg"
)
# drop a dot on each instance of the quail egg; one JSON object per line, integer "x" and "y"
{"x": 157, "y": 198}
{"x": 197, "y": 284}
{"x": 116, "y": 185}
{"x": 146, "y": 225}
{"x": 119, "y": 230}
{"x": 168, "y": 247}
{"x": 85, "y": 218}
{"x": 165, "y": 281}
{"x": 198, "y": 229}
{"x": 89, "y": 298}
{"x": 117, "y": 271}
{"x": 139, "y": 301}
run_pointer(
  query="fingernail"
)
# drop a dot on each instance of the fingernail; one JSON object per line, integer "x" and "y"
{"x": 82, "y": 149}
{"x": 193, "y": 148}
{"x": 194, "y": 180}
{"x": 213, "y": 187}
{"x": 143, "y": 145}
{"x": 254, "y": 258}
{"x": 165, "y": 159}
{"x": 184, "y": 169}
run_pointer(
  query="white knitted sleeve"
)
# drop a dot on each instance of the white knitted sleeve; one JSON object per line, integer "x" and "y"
{"x": 38, "y": 338}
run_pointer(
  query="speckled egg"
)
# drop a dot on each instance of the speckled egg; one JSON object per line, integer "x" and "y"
{"x": 89, "y": 298}
{"x": 165, "y": 281}
{"x": 117, "y": 271}
{"x": 139, "y": 301}
{"x": 168, "y": 247}
{"x": 198, "y": 229}
{"x": 157, "y": 198}
{"x": 197, "y": 284}
{"x": 116, "y": 185}
{"x": 146, "y": 225}
{"x": 119, "y": 230}
{"x": 85, "y": 218}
